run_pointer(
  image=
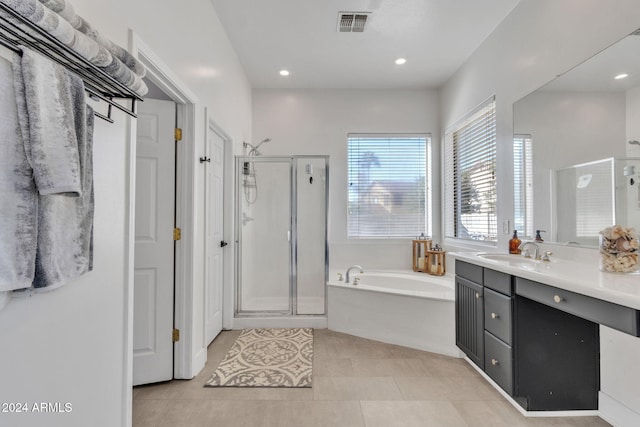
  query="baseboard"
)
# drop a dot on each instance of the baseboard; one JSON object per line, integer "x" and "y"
{"x": 319, "y": 322}
{"x": 617, "y": 414}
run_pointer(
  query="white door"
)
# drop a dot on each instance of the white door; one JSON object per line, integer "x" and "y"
{"x": 214, "y": 232}
{"x": 154, "y": 244}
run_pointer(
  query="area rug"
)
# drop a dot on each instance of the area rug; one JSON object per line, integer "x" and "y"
{"x": 267, "y": 358}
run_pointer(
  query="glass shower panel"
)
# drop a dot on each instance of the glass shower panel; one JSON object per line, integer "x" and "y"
{"x": 585, "y": 201}
{"x": 311, "y": 183}
{"x": 264, "y": 235}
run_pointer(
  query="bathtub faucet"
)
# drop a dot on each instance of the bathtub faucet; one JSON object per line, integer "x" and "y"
{"x": 346, "y": 280}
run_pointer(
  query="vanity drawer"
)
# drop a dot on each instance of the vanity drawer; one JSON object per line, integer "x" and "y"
{"x": 622, "y": 318}
{"x": 469, "y": 271}
{"x": 498, "y": 315}
{"x": 498, "y": 364}
{"x": 498, "y": 281}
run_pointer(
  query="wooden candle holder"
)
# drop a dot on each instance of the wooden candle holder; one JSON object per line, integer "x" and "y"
{"x": 420, "y": 249}
{"x": 436, "y": 262}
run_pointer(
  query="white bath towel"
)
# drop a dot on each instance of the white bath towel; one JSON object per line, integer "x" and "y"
{"x": 57, "y": 130}
{"x": 18, "y": 197}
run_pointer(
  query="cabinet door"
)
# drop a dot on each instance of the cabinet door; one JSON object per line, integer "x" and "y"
{"x": 470, "y": 320}
{"x": 557, "y": 364}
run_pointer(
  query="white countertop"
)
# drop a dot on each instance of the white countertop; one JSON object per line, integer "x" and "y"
{"x": 582, "y": 278}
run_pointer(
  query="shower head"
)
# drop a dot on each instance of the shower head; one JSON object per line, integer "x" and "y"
{"x": 254, "y": 148}
{"x": 634, "y": 142}
{"x": 262, "y": 142}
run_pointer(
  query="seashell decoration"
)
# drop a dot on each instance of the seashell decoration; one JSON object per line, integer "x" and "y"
{"x": 619, "y": 249}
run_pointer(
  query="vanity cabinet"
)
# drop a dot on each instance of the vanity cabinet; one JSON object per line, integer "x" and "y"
{"x": 546, "y": 359}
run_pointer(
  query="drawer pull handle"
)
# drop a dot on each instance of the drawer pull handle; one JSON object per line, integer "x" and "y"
{"x": 558, "y": 298}
{"x": 477, "y": 295}
{"x": 494, "y": 315}
{"x": 494, "y": 362}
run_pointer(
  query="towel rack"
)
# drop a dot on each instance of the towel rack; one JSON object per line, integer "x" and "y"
{"x": 98, "y": 84}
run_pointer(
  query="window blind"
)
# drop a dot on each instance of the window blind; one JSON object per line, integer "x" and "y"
{"x": 389, "y": 185}
{"x": 523, "y": 184}
{"x": 470, "y": 182}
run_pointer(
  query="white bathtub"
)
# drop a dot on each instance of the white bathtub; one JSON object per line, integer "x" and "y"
{"x": 405, "y": 308}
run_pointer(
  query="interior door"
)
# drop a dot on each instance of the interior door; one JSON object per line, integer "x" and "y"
{"x": 154, "y": 244}
{"x": 214, "y": 232}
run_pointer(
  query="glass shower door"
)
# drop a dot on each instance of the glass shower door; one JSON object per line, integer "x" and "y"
{"x": 264, "y": 235}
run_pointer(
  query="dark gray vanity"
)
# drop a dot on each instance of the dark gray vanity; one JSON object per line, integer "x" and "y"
{"x": 539, "y": 343}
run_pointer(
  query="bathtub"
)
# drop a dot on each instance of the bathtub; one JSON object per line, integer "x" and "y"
{"x": 398, "y": 307}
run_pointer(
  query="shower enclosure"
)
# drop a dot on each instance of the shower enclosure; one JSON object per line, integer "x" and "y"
{"x": 595, "y": 195}
{"x": 281, "y": 235}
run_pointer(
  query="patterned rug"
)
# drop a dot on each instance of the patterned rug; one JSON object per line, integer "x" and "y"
{"x": 267, "y": 358}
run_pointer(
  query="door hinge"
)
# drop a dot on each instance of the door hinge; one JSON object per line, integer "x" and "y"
{"x": 178, "y": 134}
{"x": 175, "y": 336}
{"x": 177, "y": 234}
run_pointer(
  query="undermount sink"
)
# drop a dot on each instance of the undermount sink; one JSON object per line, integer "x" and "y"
{"x": 513, "y": 260}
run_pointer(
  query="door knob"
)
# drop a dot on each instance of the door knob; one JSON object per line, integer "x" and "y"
{"x": 494, "y": 315}
{"x": 223, "y": 243}
{"x": 205, "y": 159}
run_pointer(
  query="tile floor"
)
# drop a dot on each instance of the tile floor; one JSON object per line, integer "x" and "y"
{"x": 356, "y": 382}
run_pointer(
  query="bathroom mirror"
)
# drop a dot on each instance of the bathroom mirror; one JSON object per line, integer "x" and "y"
{"x": 585, "y": 116}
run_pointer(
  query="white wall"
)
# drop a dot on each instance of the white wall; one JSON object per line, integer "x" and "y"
{"x": 71, "y": 345}
{"x": 317, "y": 122}
{"x": 537, "y": 41}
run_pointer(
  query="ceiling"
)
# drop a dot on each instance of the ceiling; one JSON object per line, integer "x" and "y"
{"x": 596, "y": 74}
{"x": 435, "y": 37}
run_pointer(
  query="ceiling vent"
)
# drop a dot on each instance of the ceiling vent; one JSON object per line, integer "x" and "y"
{"x": 352, "y": 22}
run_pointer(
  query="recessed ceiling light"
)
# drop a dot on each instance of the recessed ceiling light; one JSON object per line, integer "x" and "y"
{"x": 400, "y": 61}
{"x": 621, "y": 76}
{"x": 284, "y": 73}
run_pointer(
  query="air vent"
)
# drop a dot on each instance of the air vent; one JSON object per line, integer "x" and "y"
{"x": 352, "y": 22}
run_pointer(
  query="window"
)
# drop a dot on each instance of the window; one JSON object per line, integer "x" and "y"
{"x": 470, "y": 181}
{"x": 523, "y": 185}
{"x": 389, "y": 185}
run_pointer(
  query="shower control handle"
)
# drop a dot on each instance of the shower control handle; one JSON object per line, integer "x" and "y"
{"x": 223, "y": 243}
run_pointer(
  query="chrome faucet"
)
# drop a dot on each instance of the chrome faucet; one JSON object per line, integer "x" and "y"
{"x": 526, "y": 253}
{"x": 346, "y": 280}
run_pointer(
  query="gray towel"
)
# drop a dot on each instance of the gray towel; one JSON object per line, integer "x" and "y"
{"x": 57, "y": 130}
{"x": 48, "y": 98}
{"x": 62, "y": 30}
{"x": 65, "y": 224}
{"x": 88, "y": 45}
{"x": 18, "y": 196}
{"x": 65, "y": 9}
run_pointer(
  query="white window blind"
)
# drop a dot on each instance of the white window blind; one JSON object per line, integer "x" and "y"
{"x": 470, "y": 182}
{"x": 523, "y": 184}
{"x": 389, "y": 185}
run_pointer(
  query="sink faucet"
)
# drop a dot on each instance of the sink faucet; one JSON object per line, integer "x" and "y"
{"x": 527, "y": 254}
{"x": 346, "y": 280}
